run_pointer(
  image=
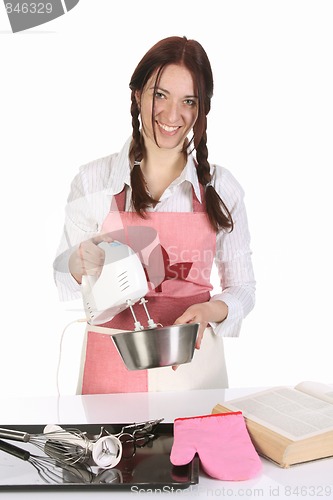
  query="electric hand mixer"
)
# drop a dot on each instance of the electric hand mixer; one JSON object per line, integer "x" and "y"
{"x": 121, "y": 284}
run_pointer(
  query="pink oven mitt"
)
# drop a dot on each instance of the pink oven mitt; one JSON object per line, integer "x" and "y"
{"x": 222, "y": 442}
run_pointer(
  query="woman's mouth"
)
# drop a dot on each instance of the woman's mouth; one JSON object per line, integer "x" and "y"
{"x": 167, "y": 128}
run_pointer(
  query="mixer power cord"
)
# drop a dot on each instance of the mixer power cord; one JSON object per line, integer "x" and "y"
{"x": 80, "y": 320}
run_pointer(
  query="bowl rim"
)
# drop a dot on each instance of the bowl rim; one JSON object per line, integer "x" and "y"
{"x": 156, "y": 329}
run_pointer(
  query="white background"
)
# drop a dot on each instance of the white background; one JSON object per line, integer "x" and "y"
{"x": 65, "y": 101}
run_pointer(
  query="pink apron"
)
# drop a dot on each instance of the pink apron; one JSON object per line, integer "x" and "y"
{"x": 188, "y": 248}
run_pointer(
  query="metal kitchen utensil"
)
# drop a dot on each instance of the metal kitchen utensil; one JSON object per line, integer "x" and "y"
{"x": 152, "y": 348}
{"x": 137, "y": 432}
{"x": 105, "y": 452}
{"x": 136, "y": 435}
{"x": 49, "y": 469}
{"x": 71, "y": 445}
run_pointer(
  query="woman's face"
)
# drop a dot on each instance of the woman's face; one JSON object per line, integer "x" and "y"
{"x": 175, "y": 106}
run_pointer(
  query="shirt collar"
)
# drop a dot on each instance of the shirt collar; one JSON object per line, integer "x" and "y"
{"x": 190, "y": 174}
{"x": 120, "y": 174}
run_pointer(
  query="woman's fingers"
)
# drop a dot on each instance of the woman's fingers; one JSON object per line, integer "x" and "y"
{"x": 202, "y": 328}
{"x": 194, "y": 314}
{"x": 92, "y": 258}
{"x": 101, "y": 237}
{"x": 88, "y": 258}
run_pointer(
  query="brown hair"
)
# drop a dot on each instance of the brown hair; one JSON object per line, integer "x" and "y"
{"x": 189, "y": 53}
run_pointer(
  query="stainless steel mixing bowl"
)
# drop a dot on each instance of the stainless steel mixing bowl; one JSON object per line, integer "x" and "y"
{"x": 165, "y": 346}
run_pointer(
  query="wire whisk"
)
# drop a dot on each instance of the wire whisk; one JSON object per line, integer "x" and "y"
{"x": 71, "y": 446}
{"x": 49, "y": 470}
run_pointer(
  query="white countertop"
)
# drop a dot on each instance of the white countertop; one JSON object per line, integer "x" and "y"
{"x": 312, "y": 480}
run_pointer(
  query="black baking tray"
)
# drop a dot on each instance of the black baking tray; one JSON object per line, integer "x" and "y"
{"x": 148, "y": 469}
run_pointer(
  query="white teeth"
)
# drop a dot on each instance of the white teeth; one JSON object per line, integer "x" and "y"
{"x": 168, "y": 129}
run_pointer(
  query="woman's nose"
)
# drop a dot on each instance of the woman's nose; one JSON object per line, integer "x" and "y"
{"x": 172, "y": 112}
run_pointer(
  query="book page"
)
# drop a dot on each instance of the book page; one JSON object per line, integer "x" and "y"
{"x": 317, "y": 389}
{"x": 289, "y": 412}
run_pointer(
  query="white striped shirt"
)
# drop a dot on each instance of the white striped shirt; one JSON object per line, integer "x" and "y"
{"x": 89, "y": 202}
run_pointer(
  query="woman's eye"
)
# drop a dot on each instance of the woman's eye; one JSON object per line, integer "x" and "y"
{"x": 159, "y": 95}
{"x": 190, "y": 102}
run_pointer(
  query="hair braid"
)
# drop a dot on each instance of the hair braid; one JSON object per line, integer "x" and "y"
{"x": 203, "y": 167}
{"x": 218, "y": 214}
{"x": 135, "y": 152}
{"x": 140, "y": 197}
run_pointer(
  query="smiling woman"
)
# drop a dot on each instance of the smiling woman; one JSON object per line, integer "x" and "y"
{"x": 162, "y": 181}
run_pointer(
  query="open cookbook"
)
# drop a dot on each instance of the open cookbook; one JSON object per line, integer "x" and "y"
{"x": 288, "y": 425}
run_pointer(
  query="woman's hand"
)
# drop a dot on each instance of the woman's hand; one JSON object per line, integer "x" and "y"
{"x": 203, "y": 313}
{"x": 88, "y": 258}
